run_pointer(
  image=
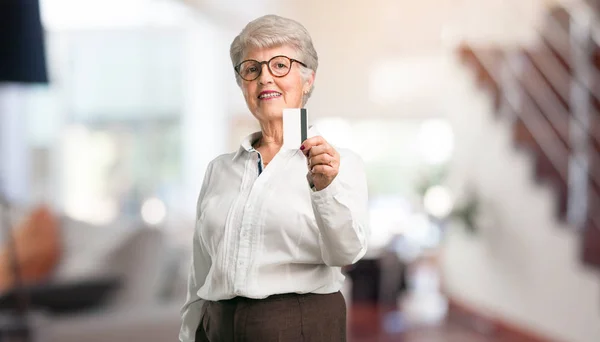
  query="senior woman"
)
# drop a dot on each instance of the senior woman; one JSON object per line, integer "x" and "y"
{"x": 274, "y": 225}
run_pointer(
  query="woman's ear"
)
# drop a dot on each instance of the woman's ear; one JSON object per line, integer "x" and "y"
{"x": 309, "y": 83}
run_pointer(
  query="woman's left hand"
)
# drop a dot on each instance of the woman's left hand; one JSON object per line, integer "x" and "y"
{"x": 323, "y": 161}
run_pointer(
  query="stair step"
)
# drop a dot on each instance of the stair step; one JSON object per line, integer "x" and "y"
{"x": 591, "y": 245}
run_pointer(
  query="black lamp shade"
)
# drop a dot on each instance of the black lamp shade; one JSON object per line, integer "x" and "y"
{"x": 22, "y": 53}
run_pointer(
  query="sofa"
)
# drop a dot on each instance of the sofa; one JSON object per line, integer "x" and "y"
{"x": 143, "y": 305}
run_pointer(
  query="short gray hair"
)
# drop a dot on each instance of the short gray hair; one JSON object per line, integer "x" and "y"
{"x": 270, "y": 31}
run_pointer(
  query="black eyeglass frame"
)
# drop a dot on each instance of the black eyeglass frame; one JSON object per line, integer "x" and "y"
{"x": 237, "y": 67}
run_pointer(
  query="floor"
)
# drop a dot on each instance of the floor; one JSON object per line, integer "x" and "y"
{"x": 364, "y": 329}
{"x": 421, "y": 315}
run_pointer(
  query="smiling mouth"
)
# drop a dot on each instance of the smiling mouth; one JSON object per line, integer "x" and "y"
{"x": 267, "y": 96}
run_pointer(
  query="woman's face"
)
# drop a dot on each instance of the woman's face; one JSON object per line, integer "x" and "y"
{"x": 268, "y": 95}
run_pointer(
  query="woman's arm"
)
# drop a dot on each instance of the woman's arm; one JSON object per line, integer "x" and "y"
{"x": 341, "y": 211}
{"x": 193, "y": 309}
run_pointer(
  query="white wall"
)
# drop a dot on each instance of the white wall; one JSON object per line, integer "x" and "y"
{"x": 524, "y": 265}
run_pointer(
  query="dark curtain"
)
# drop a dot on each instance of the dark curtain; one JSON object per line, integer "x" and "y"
{"x": 22, "y": 53}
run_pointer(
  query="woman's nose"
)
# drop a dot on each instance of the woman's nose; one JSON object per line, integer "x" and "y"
{"x": 265, "y": 75}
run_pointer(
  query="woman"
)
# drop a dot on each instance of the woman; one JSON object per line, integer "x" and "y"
{"x": 275, "y": 225}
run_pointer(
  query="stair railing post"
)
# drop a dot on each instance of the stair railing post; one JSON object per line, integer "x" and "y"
{"x": 579, "y": 121}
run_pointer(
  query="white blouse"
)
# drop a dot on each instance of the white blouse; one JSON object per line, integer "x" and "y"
{"x": 264, "y": 232}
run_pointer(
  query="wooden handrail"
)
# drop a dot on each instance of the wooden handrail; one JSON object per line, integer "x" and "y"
{"x": 553, "y": 70}
{"x": 542, "y": 96}
{"x": 539, "y": 128}
{"x": 556, "y": 39}
{"x": 553, "y": 75}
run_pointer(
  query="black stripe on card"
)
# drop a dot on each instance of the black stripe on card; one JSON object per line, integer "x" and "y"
{"x": 303, "y": 125}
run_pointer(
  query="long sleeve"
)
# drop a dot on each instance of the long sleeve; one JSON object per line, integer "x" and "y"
{"x": 193, "y": 309}
{"x": 341, "y": 212}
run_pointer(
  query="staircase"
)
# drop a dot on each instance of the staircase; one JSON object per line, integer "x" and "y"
{"x": 550, "y": 94}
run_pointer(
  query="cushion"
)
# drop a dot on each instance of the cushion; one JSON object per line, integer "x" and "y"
{"x": 38, "y": 245}
{"x": 88, "y": 248}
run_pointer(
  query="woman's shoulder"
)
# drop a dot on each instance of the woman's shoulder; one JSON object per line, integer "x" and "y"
{"x": 221, "y": 161}
{"x": 224, "y": 158}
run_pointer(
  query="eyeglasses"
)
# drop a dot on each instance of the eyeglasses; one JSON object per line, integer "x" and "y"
{"x": 279, "y": 66}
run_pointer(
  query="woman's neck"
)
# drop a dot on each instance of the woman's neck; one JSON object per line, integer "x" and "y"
{"x": 270, "y": 141}
{"x": 271, "y": 138}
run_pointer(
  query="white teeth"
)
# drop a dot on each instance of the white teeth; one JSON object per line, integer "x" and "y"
{"x": 268, "y": 95}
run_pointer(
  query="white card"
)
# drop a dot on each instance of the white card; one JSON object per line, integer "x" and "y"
{"x": 295, "y": 127}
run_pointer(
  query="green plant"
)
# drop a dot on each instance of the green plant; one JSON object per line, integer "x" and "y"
{"x": 467, "y": 212}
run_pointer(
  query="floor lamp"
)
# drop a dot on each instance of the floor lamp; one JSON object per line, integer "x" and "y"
{"x": 22, "y": 61}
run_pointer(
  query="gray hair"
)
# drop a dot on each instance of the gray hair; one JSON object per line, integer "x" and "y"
{"x": 270, "y": 31}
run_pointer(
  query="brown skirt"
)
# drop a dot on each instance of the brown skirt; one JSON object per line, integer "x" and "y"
{"x": 286, "y": 318}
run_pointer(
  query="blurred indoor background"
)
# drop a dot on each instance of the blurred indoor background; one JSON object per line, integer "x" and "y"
{"x": 477, "y": 119}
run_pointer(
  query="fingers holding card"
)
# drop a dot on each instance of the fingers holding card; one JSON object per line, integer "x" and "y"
{"x": 323, "y": 161}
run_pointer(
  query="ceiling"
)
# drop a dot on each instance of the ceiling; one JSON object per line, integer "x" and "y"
{"x": 391, "y": 24}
